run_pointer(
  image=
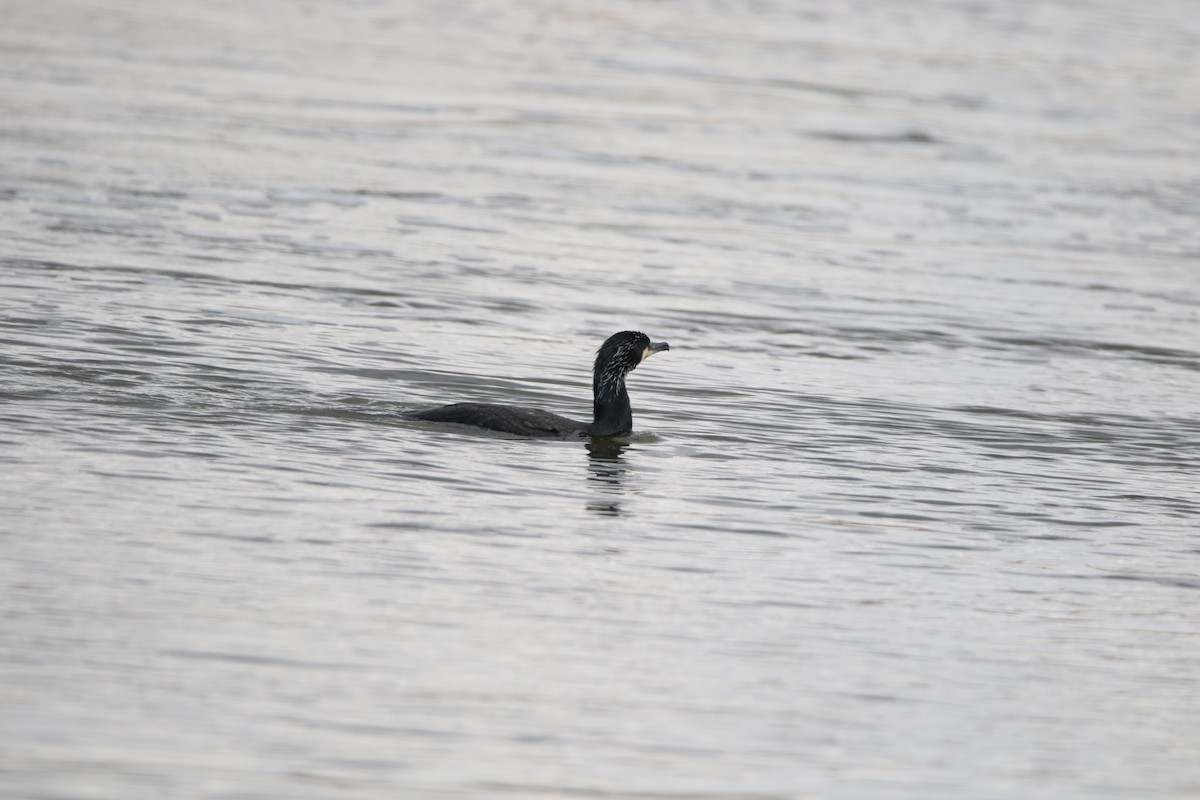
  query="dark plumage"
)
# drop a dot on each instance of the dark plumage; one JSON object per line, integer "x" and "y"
{"x": 611, "y": 413}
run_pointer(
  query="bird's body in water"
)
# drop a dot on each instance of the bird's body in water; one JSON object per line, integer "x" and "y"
{"x": 611, "y": 412}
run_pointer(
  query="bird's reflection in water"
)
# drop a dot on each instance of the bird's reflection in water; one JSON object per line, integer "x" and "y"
{"x": 607, "y": 478}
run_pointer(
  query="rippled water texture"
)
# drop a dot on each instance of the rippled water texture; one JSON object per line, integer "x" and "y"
{"x": 911, "y": 506}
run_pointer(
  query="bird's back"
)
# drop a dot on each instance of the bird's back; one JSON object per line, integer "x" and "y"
{"x": 508, "y": 419}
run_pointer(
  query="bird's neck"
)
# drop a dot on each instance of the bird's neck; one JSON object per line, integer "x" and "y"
{"x": 611, "y": 412}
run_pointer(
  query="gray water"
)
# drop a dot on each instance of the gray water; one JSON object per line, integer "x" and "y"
{"x": 910, "y": 510}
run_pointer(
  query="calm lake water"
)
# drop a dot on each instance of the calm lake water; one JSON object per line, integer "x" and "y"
{"x": 911, "y": 506}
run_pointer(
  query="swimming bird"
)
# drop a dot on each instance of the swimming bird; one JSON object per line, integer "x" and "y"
{"x": 611, "y": 413}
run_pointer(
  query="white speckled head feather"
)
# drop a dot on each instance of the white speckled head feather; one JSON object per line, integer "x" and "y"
{"x": 615, "y": 359}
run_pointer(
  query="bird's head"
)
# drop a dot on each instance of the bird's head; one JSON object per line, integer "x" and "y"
{"x": 623, "y": 351}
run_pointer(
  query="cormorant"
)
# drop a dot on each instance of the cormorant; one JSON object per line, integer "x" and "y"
{"x": 611, "y": 413}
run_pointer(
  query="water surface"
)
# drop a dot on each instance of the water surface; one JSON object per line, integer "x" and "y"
{"x": 910, "y": 510}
